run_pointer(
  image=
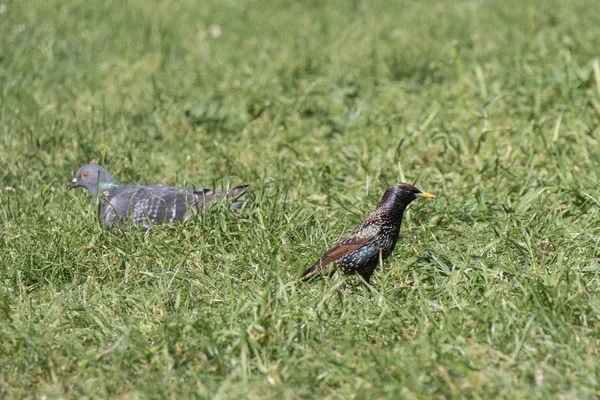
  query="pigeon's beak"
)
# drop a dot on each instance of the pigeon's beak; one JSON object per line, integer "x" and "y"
{"x": 427, "y": 195}
{"x": 72, "y": 184}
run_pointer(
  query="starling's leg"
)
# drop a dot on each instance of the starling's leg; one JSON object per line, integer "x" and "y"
{"x": 367, "y": 277}
{"x": 366, "y": 283}
{"x": 367, "y": 272}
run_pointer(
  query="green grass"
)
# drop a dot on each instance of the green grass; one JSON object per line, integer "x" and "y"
{"x": 492, "y": 292}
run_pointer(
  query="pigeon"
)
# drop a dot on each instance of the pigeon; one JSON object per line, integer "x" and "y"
{"x": 374, "y": 239}
{"x": 147, "y": 205}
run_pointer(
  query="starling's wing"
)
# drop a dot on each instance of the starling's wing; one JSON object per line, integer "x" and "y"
{"x": 338, "y": 251}
{"x": 363, "y": 237}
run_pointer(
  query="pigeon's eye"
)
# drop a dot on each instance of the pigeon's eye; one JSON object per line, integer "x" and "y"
{"x": 85, "y": 174}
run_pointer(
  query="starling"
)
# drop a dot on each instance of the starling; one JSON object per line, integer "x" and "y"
{"x": 375, "y": 238}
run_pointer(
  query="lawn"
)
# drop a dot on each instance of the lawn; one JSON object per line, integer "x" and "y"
{"x": 493, "y": 290}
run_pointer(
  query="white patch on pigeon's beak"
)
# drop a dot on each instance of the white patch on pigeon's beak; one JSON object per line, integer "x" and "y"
{"x": 72, "y": 184}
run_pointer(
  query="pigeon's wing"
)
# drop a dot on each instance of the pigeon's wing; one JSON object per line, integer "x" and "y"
{"x": 113, "y": 205}
{"x": 148, "y": 205}
{"x": 109, "y": 215}
{"x": 158, "y": 204}
{"x": 361, "y": 245}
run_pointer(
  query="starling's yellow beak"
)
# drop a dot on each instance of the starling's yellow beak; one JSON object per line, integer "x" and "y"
{"x": 427, "y": 195}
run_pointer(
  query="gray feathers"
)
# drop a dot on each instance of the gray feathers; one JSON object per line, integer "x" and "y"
{"x": 151, "y": 204}
{"x": 159, "y": 204}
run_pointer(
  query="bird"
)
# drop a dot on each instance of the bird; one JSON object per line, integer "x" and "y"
{"x": 147, "y": 205}
{"x": 374, "y": 239}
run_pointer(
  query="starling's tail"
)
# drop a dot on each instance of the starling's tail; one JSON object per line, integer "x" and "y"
{"x": 313, "y": 271}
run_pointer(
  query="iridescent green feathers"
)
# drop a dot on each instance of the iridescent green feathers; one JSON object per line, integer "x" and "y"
{"x": 374, "y": 239}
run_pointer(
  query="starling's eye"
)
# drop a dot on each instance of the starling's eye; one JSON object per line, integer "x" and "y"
{"x": 85, "y": 174}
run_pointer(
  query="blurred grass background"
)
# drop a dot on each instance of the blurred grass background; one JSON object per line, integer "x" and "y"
{"x": 492, "y": 290}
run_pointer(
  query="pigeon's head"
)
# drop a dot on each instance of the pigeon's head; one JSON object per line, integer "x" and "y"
{"x": 91, "y": 177}
{"x": 400, "y": 195}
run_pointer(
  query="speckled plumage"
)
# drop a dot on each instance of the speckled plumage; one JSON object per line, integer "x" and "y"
{"x": 374, "y": 238}
{"x": 146, "y": 205}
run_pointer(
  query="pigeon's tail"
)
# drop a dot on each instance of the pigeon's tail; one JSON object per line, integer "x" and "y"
{"x": 206, "y": 196}
{"x": 234, "y": 194}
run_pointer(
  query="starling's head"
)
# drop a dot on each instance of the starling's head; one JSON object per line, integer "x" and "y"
{"x": 91, "y": 177}
{"x": 400, "y": 195}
